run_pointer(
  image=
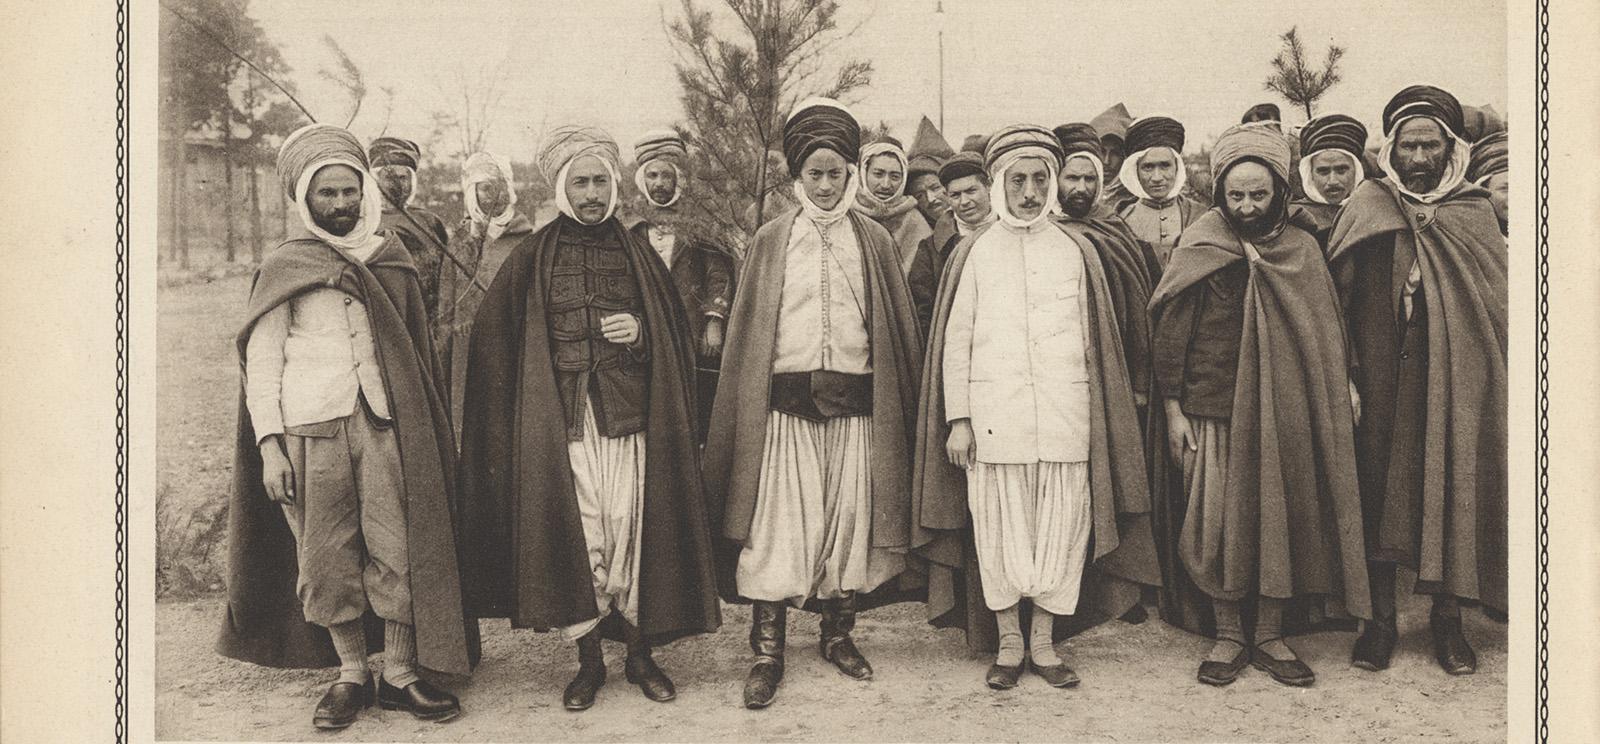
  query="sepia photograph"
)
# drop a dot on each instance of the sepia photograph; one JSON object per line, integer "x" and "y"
{"x": 835, "y": 370}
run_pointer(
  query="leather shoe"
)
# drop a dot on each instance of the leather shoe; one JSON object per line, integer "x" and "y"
{"x": 846, "y": 657}
{"x": 1291, "y": 672}
{"x": 1002, "y": 677}
{"x": 1223, "y": 673}
{"x": 641, "y": 670}
{"x": 580, "y": 692}
{"x": 420, "y": 699}
{"x": 1136, "y": 615}
{"x": 1450, "y": 647}
{"x": 761, "y": 687}
{"x": 1056, "y": 675}
{"x": 341, "y": 704}
{"x": 1375, "y": 646}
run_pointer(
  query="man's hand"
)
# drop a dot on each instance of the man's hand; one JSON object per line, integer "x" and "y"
{"x": 1355, "y": 402}
{"x": 1180, "y": 436}
{"x": 621, "y": 328}
{"x": 711, "y": 345}
{"x": 276, "y": 472}
{"x": 962, "y": 448}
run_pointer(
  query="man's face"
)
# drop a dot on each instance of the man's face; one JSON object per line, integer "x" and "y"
{"x": 1027, "y": 184}
{"x": 492, "y": 197}
{"x": 1248, "y": 191}
{"x": 1114, "y": 154}
{"x": 1158, "y": 171}
{"x": 884, "y": 175}
{"x": 929, "y": 193}
{"x": 1498, "y": 185}
{"x": 969, "y": 196}
{"x": 395, "y": 182}
{"x": 1420, "y": 154}
{"x": 589, "y": 189}
{"x": 660, "y": 181}
{"x": 334, "y": 198}
{"x": 1079, "y": 185}
{"x": 823, "y": 176}
{"x": 1334, "y": 175}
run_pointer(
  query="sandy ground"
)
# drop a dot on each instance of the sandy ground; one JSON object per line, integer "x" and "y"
{"x": 1138, "y": 681}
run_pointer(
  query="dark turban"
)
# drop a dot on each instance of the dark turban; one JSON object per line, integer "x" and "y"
{"x": 975, "y": 143}
{"x": 1080, "y": 137}
{"x": 1018, "y": 136}
{"x": 315, "y": 143}
{"x": 1155, "y": 131}
{"x": 961, "y": 165}
{"x": 1262, "y": 112}
{"x": 820, "y": 124}
{"x": 1489, "y": 157}
{"x": 1423, "y": 100}
{"x": 1333, "y": 132}
{"x": 660, "y": 143}
{"x": 393, "y": 151}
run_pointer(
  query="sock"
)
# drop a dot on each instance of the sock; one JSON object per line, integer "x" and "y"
{"x": 1230, "y": 632}
{"x": 1445, "y": 606}
{"x": 1043, "y": 637}
{"x": 1269, "y": 629}
{"x": 1009, "y": 621}
{"x": 399, "y": 654}
{"x": 350, "y": 642}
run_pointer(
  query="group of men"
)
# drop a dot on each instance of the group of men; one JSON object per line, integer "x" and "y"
{"x": 1033, "y": 384}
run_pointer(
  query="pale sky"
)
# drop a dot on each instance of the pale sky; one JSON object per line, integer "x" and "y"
{"x": 608, "y": 62}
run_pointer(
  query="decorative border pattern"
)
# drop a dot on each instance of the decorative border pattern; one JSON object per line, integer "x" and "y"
{"x": 1542, "y": 403}
{"x": 121, "y": 675}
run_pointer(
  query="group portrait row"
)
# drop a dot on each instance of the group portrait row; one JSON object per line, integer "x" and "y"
{"x": 1035, "y": 384}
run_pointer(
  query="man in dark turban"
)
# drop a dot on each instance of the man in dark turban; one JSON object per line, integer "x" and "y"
{"x": 1155, "y": 176}
{"x": 1489, "y": 170}
{"x": 966, "y": 187}
{"x": 394, "y": 165}
{"x": 1251, "y": 365}
{"x": 810, "y": 435}
{"x": 341, "y": 520}
{"x": 582, "y": 496}
{"x": 1331, "y": 165}
{"x": 1421, "y": 266}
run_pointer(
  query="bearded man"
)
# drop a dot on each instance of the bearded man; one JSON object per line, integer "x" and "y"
{"x": 966, "y": 186}
{"x": 882, "y": 197}
{"x": 582, "y": 495}
{"x": 1421, "y": 266}
{"x": 490, "y": 228}
{"x": 343, "y": 470}
{"x": 1154, "y": 175}
{"x": 1330, "y": 167}
{"x": 928, "y": 152}
{"x": 394, "y": 164}
{"x": 812, "y": 425}
{"x": 1251, "y": 366}
{"x": 702, "y": 271}
{"x": 1489, "y": 170}
{"x": 1028, "y": 435}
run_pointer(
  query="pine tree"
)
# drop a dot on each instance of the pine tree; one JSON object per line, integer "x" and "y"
{"x": 1293, "y": 77}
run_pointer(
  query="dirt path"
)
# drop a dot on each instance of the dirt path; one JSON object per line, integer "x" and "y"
{"x": 1138, "y": 687}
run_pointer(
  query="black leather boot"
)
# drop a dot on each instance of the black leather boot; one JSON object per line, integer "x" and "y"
{"x": 1375, "y": 646}
{"x": 591, "y": 673}
{"x": 838, "y": 619}
{"x": 641, "y": 669}
{"x": 1450, "y": 647}
{"x": 767, "y": 631}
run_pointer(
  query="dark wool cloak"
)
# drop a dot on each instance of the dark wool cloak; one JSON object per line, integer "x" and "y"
{"x": 1123, "y": 549}
{"x": 526, "y": 557}
{"x": 265, "y": 623}
{"x": 736, "y": 444}
{"x": 1291, "y": 513}
{"x": 1432, "y": 453}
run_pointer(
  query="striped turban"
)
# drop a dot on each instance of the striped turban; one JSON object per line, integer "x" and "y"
{"x": 562, "y": 146}
{"x": 1155, "y": 131}
{"x": 961, "y": 165}
{"x": 818, "y": 124}
{"x": 1331, "y": 133}
{"x": 659, "y": 143}
{"x": 308, "y": 150}
{"x": 1423, "y": 100}
{"x": 1489, "y": 157}
{"x": 393, "y": 151}
{"x": 1080, "y": 137}
{"x": 1011, "y": 144}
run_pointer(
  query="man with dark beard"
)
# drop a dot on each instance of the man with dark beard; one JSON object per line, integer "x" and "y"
{"x": 1155, "y": 175}
{"x": 1329, "y": 171}
{"x": 1421, "y": 265}
{"x": 394, "y": 165}
{"x": 582, "y": 497}
{"x": 1251, "y": 367}
{"x": 701, "y": 270}
{"x": 966, "y": 186}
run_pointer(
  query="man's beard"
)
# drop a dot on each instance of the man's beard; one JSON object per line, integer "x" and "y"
{"x": 1253, "y": 226}
{"x": 1424, "y": 177}
{"x": 396, "y": 194}
{"x": 339, "y": 221}
{"x": 1077, "y": 204}
{"x": 663, "y": 194}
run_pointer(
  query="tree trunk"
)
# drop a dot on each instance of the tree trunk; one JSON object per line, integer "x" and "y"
{"x": 256, "y": 238}
{"x": 227, "y": 187}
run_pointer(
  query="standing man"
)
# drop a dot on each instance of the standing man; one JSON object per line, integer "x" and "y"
{"x": 582, "y": 496}
{"x": 394, "y": 163}
{"x": 810, "y": 435}
{"x": 1155, "y": 176}
{"x": 1027, "y": 422}
{"x": 1330, "y": 167}
{"x": 343, "y": 472}
{"x": 702, "y": 272}
{"x": 1421, "y": 266}
{"x": 882, "y": 197}
{"x": 1251, "y": 366}
{"x": 966, "y": 186}
{"x": 490, "y": 228}
{"x": 928, "y": 152}
{"x": 1112, "y": 126}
